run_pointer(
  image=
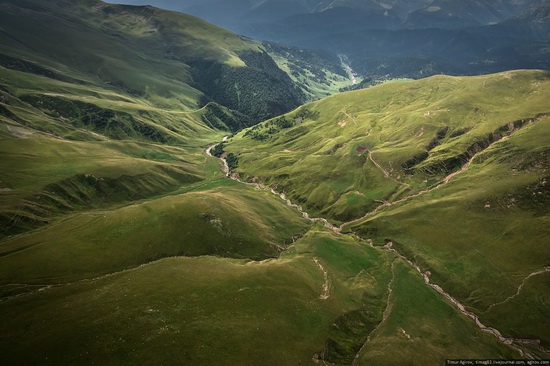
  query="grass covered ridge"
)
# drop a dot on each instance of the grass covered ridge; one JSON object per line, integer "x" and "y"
{"x": 386, "y": 141}
{"x": 228, "y": 221}
{"x": 453, "y": 171}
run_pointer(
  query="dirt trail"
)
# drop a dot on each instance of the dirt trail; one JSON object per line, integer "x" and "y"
{"x": 546, "y": 269}
{"x": 444, "y": 181}
{"x": 384, "y": 171}
{"x": 349, "y": 116}
{"x": 385, "y": 314}
{"x": 441, "y": 184}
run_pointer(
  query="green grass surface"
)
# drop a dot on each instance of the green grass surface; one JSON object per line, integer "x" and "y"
{"x": 208, "y": 310}
{"x": 484, "y": 233}
{"x": 532, "y": 301}
{"x": 193, "y": 311}
{"x": 316, "y": 73}
{"x": 424, "y": 329}
{"x": 230, "y": 222}
{"x": 197, "y": 310}
{"x": 121, "y": 43}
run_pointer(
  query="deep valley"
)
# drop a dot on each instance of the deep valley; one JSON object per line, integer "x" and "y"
{"x": 172, "y": 193}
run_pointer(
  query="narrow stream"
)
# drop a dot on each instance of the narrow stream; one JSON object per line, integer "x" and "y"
{"x": 345, "y": 64}
{"x": 512, "y": 342}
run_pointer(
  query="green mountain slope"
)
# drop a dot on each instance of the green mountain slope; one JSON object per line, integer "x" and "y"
{"x": 415, "y": 132}
{"x": 318, "y": 73}
{"x": 117, "y": 102}
{"x": 452, "y": 171}
{"x": 170, "y": 59}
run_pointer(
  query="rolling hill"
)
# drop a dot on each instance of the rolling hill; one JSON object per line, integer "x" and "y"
{"x": 451, "y": 172}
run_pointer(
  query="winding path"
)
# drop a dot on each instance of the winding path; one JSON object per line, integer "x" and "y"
{"x": 546, "y": 269}
{"x": 441, "y": 184}
{"x": 326, "y": 285}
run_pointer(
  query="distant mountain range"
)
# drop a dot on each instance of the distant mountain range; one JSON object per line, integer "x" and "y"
{"x": 389, "y": 39}
{"x": 240, "y": 14}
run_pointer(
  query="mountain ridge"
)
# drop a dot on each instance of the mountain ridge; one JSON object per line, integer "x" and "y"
{"x": 450, "y": 37}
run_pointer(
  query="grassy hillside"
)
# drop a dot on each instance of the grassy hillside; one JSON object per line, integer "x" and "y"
{"x": 211, "y": 310}
{"x": 419, "y": 320}
{"x": 387, "y": 141}
{"x": 452, "y": 171}
{"x": 117, "y": 103}
{"x": 318, "y": 73}
{"x": 224, "y": 221}
{"x": 66, "y": 147}
{"x": 170, "y": 59}
{"x": 482, "y": 236}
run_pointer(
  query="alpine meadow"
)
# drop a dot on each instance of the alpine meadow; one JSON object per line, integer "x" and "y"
{"x": 336, "y": 183}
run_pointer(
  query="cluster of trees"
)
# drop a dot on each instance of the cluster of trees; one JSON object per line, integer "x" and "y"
{"x": 114, "y": 124}
{"x": 232, "y": 161}
{"x": 260, "y": 90}
{"x": 221, "y": 118}
{"x": 264, "y": 131}
{"x": 261, "y": 133}
{"x": 217, "y": 150}
{"x": 306, "y": 113}
{"x": 258, "y": 135}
